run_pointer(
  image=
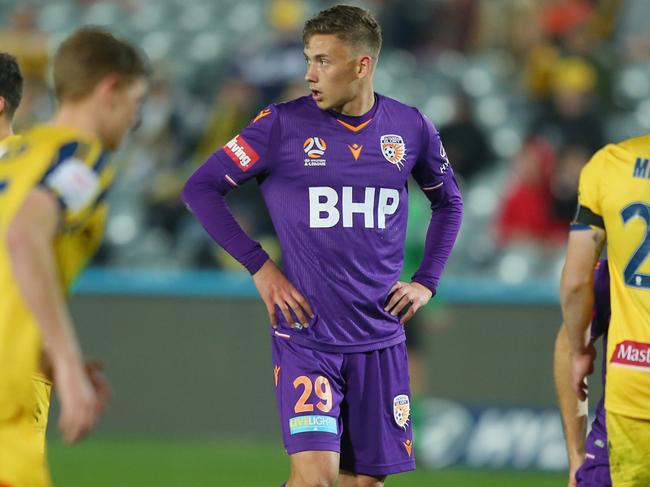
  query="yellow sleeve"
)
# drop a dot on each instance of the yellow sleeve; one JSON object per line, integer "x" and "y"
{"x": 72, "y": 177}
{"x": 590, "y": 191}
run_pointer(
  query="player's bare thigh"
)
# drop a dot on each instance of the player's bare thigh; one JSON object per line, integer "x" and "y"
{"x": 313, "y": 469}
{"x": 349, "y": 479}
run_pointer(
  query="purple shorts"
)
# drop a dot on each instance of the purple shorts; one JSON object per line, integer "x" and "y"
{"x": 356, "y": 404}
{"x": 594, "y": 472}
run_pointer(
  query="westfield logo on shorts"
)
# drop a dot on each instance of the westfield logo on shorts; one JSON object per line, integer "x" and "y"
{"x": 633, "y": 355}
{"x": 241, "y": 153}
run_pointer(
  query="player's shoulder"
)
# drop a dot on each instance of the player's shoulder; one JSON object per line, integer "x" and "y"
{"x": 52, "y": 139}
{"x": 275, "y": 113}
{"x": 8, "y": 144}
{"x": 302, "y": 106}
{"x": 55, "y": 144}
{"x": 11, "y": 139}
{"x": 626, "y": 151}
{"x": 396, "y": 107}
{"x": 637, "y": 146}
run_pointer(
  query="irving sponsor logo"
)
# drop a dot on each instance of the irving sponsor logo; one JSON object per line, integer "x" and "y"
{"x": 241, "y": 153}
{"x": 310, "y": 423}
{"x": 633, "y": 355}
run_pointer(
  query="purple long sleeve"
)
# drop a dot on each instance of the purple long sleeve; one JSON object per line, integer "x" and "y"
{"x": 446, "y": 218}
{"x": 204, "y": 195}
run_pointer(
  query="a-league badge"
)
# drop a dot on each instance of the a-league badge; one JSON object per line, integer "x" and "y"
{"x": 401, "y": 410}
{"x": 393, "y": 149}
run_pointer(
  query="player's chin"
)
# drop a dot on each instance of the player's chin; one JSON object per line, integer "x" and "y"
{"x": 321, "y": 101}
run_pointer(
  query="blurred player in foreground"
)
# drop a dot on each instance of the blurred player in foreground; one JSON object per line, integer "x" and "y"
{"x": 332, "y": 168}
{"x": 53, "y": 180}
{"x": 614, "y": 206}
{"x": 11, "y": 87}
{"x": 588, "y": 464}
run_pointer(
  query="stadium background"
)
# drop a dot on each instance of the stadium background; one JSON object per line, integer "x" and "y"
{"x": 522, "y": 91}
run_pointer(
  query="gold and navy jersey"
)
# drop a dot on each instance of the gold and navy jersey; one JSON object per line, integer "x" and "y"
{"x": 614, "y": 194}
{"x": 74, "y": 168}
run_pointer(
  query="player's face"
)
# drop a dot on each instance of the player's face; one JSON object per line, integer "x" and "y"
{"x": 125, "y": 105}
{"x": 333, "y": 71}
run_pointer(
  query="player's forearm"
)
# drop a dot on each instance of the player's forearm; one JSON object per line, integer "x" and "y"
{"x": 204, "y": 196}
{"x": 577, "y": 299}
{"x": 446, "y": 218}
{"x": 577, "y": 284}
{"x": 572, "y": 410}
{"x": 34, "y": 269}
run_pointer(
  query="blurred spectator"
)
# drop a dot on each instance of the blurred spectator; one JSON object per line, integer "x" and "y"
{"x": 559, "y": 17}
{"x": 526, "y": 214}
{"x": 632, "y": 33}
{"x": 22, "y": 38}
{"x": 404, "y": 23}
{"x": 271, "y": 66}
{"x": 564, "y": 181}
{"x": 570, "y": 117}
{"x": 464, "y": 140}
{"x": 37, "y": 104}
{"x": 407, "y": 25}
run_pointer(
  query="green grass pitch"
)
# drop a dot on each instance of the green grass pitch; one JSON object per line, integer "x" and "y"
{"x": 106, "y": 462}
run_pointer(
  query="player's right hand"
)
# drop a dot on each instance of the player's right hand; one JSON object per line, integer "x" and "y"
{"x": 276, "y": 290}
{"x": 98, "y": 380}
{"x": 79, "y": 403}
{"x": 582, "y": 365}
{"x": 575, "y": 461}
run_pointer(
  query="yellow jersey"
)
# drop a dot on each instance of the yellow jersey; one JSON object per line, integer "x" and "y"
{"x": 74, "y": 167}
{"x": 614, "y": 194}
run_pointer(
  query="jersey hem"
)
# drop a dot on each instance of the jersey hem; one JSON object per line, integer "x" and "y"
{"x": 380, "y": 469}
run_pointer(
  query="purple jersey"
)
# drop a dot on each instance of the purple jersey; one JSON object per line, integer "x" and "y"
{"x": 595, "y": 470}
{"x": 336, "y": 190}
{"x": 602, "y": 308}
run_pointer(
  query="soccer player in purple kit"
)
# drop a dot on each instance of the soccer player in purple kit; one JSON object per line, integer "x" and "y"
{"x": 588, "y": 459}
{"x": 333, "y": 168}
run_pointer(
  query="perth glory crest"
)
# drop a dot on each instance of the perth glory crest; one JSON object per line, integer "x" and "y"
{"x": 401, "y": 410}
{"x": 393, "y": 149}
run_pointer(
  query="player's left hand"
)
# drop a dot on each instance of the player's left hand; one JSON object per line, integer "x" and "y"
{"x": 403, "y": 295}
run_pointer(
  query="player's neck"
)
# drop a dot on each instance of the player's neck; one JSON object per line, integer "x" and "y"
{"x": 359, "y": 105}
{"x": 78, "y": 116}
{"x": 5, "y": 130}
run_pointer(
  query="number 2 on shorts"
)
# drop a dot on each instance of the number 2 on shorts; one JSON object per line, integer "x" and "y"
{"x": 323, "y": 390}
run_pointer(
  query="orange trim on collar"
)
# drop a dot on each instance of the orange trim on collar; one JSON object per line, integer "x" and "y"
{"x": 352, "y": 127}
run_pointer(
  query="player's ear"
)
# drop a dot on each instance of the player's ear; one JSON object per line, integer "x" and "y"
{"x": 364, "y": 67}
{"x": 109, "y": 86}
{"x": 3, "y": 105}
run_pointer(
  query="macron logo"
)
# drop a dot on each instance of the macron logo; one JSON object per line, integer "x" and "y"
{"x": 241, "y": 153}
{"x": 633, "y": 355}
